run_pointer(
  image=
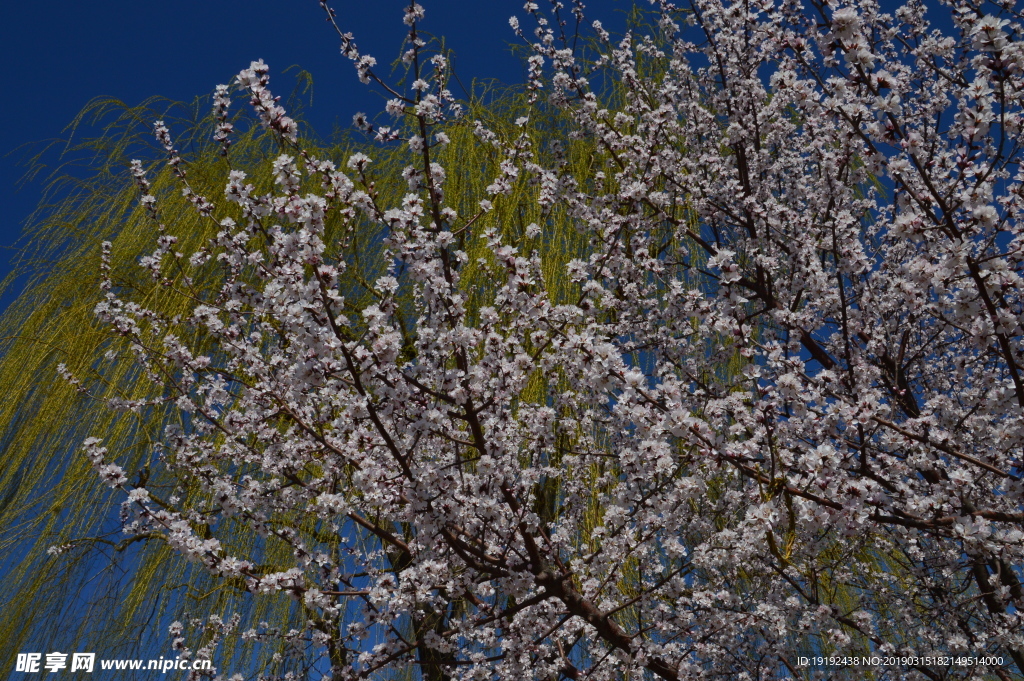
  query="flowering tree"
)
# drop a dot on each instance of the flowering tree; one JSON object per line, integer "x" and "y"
{"x": 779, "y": 413}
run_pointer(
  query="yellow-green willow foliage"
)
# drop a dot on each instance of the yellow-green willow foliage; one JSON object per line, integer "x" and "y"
{"x": 72, "y": 583}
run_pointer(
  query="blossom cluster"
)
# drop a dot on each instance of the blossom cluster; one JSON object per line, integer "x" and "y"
{"x": 782, "y": 414}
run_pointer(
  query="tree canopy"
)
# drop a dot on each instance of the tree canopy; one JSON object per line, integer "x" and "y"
{"x": 699, "y": 358}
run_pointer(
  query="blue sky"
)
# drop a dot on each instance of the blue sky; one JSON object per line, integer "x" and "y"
{"x": 61, "y": 54}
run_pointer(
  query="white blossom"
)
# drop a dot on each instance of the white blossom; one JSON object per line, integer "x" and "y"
{"x": 781, "y": 405}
